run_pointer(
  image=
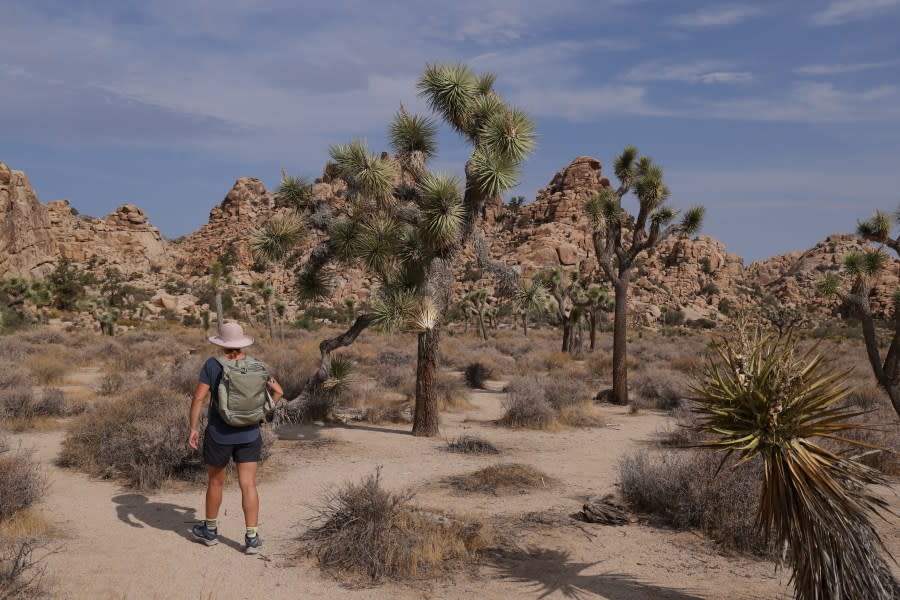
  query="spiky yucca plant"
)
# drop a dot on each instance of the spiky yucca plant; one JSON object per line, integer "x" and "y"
{"x": 761, "y": 397}
{"x": 531, "y": 297}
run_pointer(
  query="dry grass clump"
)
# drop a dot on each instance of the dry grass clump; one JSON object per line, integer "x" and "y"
{"x": 21, "y": 406}
{"x": 503, "y": 478}
{"x": 452, "y": 393}
{"x": 661, "y": 389}
{"x": 684, "y": 491}
{"x": 549, "y": 402}
{"x": 139, "y": 438}
{"x": 369, "y": 531}
{"x": 471, "y": 444}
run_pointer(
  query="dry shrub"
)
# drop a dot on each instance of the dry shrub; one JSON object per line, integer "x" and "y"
{"x": 21, "y": 482}
{"x": 471, "y": 444}
{"x": 290, "y": 370}
{"x": 48, "y": 367}
{"x": 139, "y": 438}
{"x": 661, "y": 389}
{"x": 525, "y": 405}
{"x": 369, "y": 531}
{"x": 548, "y": 402}
{"x": 452, "y": 394}
{"x": 683, "y": 431}
{"x": 20, "y": 405}
{"x": 600, "y": 365}
{"x": 476, "y": 375}
{"x": 684, "y": 491}
{"x": 868, "y": 396}
{"x": 503, "y": 478}
{"x": 21, "y": 574}
{"x": 110, "y": 384}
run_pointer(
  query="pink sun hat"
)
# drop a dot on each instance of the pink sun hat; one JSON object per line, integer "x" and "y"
{"x": 231, "y": 336}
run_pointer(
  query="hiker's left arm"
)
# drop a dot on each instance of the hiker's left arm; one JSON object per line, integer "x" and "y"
{"x": 200, "y": 393}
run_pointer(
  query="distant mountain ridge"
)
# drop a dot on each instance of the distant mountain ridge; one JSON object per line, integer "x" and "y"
{"x": 694, "y": 275}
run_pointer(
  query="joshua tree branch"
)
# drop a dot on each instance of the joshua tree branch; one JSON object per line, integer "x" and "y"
{"x": 293, "y": 409}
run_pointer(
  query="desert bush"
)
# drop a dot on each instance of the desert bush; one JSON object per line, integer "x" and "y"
{"x": 525, "y": 405}
{"x": 683, "y": 489}
{"x": 476, "y": 375}
{"x": 683, "y": 431}
{"x": 290, "y": 371}
{"x": 21, "y": 482}
{"x": 47, "y": 367}
{"x": 562, "y": 392}
{"x": 471, "y": 444}
{"x": 503, "y": 478}
{"x": 21, "y": 574}
{"x": 110, "y": 383}
{"x": 581, "y": 415}
{"x": 16, "y": 401}
{"x": 370, "y": 531}
{"x": 868, "y": 396}
{"x": 661, "y": 389}
{"x": 138, "y": 438}
{"x": 452, "y": 393}
{"x": 22, "y": 404}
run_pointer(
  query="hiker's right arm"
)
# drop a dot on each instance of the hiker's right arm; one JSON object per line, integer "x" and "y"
{"x": 196, "y": 404}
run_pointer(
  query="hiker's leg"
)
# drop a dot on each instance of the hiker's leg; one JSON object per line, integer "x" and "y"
{"x": 214, "y": 490}
{"x": 249, "y": 497}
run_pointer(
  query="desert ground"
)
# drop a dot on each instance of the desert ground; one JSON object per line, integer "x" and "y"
{"x": 106, "y": 539}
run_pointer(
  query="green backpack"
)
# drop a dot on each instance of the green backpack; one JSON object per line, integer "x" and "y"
{"x": 242, "y": 392}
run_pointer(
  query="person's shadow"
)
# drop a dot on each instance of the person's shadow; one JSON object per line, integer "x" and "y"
{"x": 137, "y": 511}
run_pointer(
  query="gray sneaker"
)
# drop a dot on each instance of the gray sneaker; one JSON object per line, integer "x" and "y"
{"x": 252, "y": 544}
{"x": 210, "y": 537}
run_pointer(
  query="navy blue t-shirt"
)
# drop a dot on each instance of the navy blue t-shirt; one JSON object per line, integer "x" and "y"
{"x": 222, "y": 432}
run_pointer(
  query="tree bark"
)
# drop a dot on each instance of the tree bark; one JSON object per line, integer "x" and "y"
{"x": 567, "y": 334}
{"x": 525, "y": 324}
{"x": 425, "y": 422}
{"x": 620, "y": 341}
{"x": 593, "y": 320}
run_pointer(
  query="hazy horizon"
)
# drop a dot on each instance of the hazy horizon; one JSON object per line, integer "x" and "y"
{"x": 783, "y": 120}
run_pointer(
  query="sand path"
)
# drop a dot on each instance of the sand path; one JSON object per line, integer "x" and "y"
{"x": 123, "y": 544}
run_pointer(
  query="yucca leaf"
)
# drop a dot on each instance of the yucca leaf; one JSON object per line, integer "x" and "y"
{"x": 492, "y": 173}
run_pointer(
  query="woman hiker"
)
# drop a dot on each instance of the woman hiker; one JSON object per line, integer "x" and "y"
{"x": 224, "y": 442}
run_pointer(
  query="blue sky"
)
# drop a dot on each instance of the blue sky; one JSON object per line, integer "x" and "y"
{"x": 783, "y": 118}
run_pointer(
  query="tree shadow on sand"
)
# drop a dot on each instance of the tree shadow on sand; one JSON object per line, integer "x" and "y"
{"x": 137, "y": 511}
{"x": 549, "y": 572}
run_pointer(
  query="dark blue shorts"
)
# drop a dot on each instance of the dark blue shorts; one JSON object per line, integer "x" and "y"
{"x": 218, "y": 455}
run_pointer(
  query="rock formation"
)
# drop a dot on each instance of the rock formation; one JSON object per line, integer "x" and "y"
{"x": 27, "y": 244}
{"x": 695, "y": 275}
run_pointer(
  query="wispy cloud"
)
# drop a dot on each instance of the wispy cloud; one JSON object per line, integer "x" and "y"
{"x": 707, "y": 72}
{"x": 839, "y": 12}
{"x": 811, "y": 103}
{"x": 838, "y": 69}
{"x": 718, "y": 16}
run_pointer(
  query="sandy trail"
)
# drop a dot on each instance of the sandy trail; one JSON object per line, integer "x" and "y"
{"x": 124, "y": 544}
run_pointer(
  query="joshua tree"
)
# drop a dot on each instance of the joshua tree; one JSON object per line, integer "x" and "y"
{"x": 293, "y": 191}
{"x": 566, "y": 291}
{"x": 595, "y": 302}
{"x": 762, "y": 399}
{"x": 266, "y": 292}
{"x": 281, "y": 311}
{"x": 864, "y": 267}
{"x": 531, "y": 297}
{"x": 477, "y": 302}
{"x": 622, "y": 241}
{"x": 405, "y": 225}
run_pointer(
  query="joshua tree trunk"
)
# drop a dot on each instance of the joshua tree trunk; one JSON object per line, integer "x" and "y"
{"x": 219, "y": 312}
{"x": 425, "y": 421}
{"x": 592, "y": 317}
{"x": 481, "y": 325}
{"x": 525, "y": 323}
{"x": 620, "y": 341}
{"x": 567, "y": 333}
{"x": 887, "y": 373}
